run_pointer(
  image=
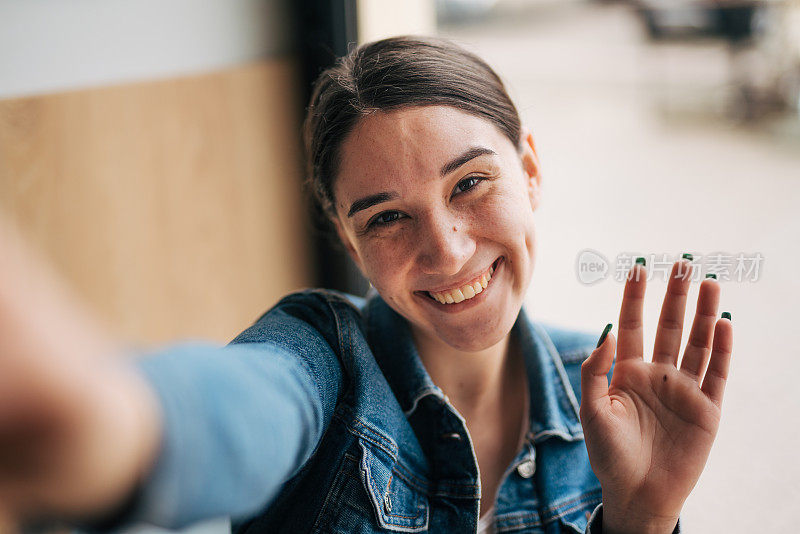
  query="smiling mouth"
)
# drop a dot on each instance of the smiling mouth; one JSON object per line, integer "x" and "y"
{"x": 467, "y": 291}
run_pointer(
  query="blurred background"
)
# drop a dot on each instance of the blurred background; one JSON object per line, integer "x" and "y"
{"x": 151, "y": 149}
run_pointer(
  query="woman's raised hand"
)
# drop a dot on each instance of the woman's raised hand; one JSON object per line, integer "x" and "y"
{"x": 649, "y": 431}
{"x": 77, "y": 425}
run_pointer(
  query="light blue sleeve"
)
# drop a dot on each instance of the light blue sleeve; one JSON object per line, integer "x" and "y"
{"x": 238, "y": 421}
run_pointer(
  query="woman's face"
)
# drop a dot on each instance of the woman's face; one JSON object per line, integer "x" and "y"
{"x": 434, "y": 204}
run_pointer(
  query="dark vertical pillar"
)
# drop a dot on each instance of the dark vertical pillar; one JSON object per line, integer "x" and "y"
{"x": 326, "y": 30}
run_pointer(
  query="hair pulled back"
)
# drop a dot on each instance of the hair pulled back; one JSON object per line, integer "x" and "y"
{"x": 390, "y": 74}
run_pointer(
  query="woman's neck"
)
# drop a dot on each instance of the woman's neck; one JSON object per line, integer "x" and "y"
{"x": 473, "y": 381}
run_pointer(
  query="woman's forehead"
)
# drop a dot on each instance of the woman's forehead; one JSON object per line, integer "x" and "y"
{"x": 414, "y": 142}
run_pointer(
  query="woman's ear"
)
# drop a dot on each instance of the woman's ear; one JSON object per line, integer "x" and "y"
{"x": 530, "y": 164}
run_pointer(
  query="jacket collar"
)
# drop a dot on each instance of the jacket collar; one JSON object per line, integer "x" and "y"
{"x": 553, "y": 409}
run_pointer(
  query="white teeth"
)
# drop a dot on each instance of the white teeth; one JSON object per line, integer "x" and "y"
{"x": 466, "y": 292}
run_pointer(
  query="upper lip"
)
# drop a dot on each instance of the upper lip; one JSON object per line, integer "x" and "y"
{"x": 463, "y": 282}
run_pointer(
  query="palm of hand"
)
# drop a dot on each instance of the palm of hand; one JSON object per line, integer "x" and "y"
{"x": 649, "y": 431}
{"x": 659, "y": 433}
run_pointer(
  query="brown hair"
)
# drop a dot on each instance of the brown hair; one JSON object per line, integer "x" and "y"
{"x": 391, "y": 74}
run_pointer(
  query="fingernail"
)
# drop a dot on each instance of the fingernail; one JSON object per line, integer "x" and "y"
{"x": 711, "y": 275}
{"x": 726, "y": 315}
{"x": 640, "y": 260}
{"x": 687, "y": 256}
{"x": 606, "y": 330}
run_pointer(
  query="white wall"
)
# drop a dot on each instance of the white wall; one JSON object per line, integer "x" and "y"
{"x": 55, "y": 45}
{"x": 378, "y": 19}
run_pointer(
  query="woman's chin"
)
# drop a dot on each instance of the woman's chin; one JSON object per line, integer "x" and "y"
{"x": 473, "y": 331}
{"x": 475, "y": 338}
{"x": 474, "y": 346}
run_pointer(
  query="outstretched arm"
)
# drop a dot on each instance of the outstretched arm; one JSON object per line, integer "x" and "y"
{"x": 237, "y": 423}
{"x": 202, "y": 431}
{"x": 649, "y": 432}
{"x": 77, "y": 425}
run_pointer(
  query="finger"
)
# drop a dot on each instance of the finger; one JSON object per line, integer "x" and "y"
{"x": 594, "y": 379}
{"x": 719, "y": 364}
{"x": 701, "y": 337}
{"x": 670, "y": 322}
{"x": 630, "y": 315}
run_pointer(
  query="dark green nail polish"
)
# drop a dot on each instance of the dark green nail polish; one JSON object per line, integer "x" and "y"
{"x": 687, "y": 256}
{"x": 640, "y": 260}
{"x": 711, "y": 275}
{"x": 606, "y": 330}
{"x": 726, "y": 315}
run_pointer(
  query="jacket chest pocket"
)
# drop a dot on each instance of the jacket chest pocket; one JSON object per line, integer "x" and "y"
{"x": 372, "y": 493}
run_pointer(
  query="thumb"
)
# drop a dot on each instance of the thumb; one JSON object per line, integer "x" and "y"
{"x": 594, "y": 371}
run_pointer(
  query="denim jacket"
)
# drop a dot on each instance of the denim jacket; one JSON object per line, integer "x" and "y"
{"x": 321, "y": 418}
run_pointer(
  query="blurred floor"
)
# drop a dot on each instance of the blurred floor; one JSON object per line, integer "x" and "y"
{"x": 637, "y": 158}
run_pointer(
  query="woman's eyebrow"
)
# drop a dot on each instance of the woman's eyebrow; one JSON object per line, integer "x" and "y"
{"x": 369, "y": 201}
{"x": 471, "y": 153}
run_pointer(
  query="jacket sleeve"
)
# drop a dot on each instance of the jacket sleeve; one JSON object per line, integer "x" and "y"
{"x": 237, "y": 421}
{"x": 595, "y": 525}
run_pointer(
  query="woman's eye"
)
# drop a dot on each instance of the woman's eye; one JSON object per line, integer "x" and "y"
{"x": 385, "y": 218}
{"x": 466, "y": 184}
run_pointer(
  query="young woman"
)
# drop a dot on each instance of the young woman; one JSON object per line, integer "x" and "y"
{"x": 434, "y": 405}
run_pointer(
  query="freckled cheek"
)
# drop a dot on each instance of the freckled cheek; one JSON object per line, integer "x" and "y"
{"x": 385, "y": 264}
{"x": 505, "y": 221}
{"x": 512, "y": 227}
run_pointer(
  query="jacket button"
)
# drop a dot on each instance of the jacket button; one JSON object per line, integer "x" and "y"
{"x": 387, "y": 503}
{"x": 526, "y": 469}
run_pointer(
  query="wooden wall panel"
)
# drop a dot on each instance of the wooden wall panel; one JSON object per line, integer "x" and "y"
{"x": 173, "y": 207}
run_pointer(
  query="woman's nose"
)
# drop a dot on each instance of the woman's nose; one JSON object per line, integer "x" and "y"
{"x": 444, "y": 247}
